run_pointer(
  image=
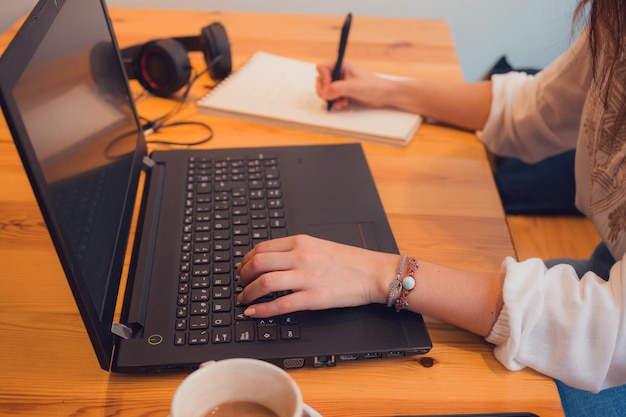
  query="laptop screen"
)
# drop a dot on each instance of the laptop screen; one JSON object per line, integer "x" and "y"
{"x": 68, "y": 105}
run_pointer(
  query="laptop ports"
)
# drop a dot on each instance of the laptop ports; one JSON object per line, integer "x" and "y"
{"x": 293, "y": 363}
{"x": 328, "y": 360}
{"x": 349, "y": 357}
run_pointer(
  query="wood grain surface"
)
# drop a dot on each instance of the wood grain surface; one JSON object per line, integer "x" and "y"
{"x": 438, "y": 192}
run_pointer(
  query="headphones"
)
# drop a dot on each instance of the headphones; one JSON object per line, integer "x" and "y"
{"x": 162, "y": 66}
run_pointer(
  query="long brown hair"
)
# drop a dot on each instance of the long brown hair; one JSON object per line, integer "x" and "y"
{"x": 606, "y": 23}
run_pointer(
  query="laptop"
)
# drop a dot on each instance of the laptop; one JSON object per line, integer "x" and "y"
{"x": 66, "y": 99}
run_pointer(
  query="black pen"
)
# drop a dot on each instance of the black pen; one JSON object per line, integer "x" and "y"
{"x": 345, "y": 30}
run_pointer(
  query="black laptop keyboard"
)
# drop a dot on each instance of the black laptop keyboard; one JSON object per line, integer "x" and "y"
{"x": 230, "y": 206}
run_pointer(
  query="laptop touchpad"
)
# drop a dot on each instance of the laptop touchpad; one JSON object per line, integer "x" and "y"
{"x": 362, "y": 235}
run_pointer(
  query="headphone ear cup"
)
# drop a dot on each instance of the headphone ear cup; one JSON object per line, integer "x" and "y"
{"x": 214, "y": 43}
{"x": 162, "y": 67}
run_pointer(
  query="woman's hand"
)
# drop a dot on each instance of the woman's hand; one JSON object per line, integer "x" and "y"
{"x": 356, "y": 84}
{"x": 461, "y": 104}
{"x": 321, "y": 274}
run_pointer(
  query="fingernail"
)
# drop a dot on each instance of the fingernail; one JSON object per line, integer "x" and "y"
{"x": 250, "y": 311}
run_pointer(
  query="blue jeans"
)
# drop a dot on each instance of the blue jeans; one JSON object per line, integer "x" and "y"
{"x": 609, "y": 402}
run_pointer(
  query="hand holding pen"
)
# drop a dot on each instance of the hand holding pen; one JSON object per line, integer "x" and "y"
{"x": 342, "y": 82}
{"x": 343, "y": 42}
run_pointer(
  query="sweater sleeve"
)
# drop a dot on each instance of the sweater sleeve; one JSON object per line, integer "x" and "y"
{"x": 570, "y": 329}
{"x": 533, "y": 117}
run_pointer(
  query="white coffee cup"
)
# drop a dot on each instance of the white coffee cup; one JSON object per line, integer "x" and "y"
{"x": 237, "y": 379}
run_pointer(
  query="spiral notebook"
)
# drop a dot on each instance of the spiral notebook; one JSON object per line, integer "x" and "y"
{"x": 280, "y": 91}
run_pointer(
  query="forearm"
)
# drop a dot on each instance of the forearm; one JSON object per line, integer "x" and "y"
{"x": 323, "y": 274}
{"x": 470, "y": 300}
{"x": 466, "y": 105}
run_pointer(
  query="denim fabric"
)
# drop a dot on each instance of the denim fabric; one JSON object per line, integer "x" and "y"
{"x": 609, "y": 402}
{"x": 600, "y": 262}
{"x": 546, "y": 187}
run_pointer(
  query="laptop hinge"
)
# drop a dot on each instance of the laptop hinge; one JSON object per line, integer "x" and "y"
{"x": 148, "y": 163}
{"x": 121, "y": 330}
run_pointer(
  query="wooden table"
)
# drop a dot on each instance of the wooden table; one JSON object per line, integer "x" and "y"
{"x": 438, "y": 192}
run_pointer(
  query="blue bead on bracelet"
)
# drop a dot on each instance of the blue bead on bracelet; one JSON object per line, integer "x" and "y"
{"x": 408, "y": 283}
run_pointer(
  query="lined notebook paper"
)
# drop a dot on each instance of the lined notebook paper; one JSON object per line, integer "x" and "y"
{"x": 280, "y": 91}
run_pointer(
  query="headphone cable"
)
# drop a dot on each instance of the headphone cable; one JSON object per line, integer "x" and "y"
{"x": 155, "y": 125}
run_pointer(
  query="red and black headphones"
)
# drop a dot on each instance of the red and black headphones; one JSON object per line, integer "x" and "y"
{"x": 162, "y": 66}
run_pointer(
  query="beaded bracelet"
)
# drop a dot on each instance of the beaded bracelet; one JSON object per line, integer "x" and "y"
{"x": 408, "y": 283}
{"x": 396, "y": 285}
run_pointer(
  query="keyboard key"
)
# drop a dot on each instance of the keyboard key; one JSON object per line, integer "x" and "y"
{"x": 221, "y": 319}
{"x": 289, "y": 319}
{"x": 199, "y": 308}
{"x": 221, "y": 280}
{"x": 199, "y": 322}
{"x": 239, "y": 316}
{"x": 244, "y": 331}
{"x": 271, "y": 321}
{"x": 289, "y": 332}
{"x": 268, "y": 333}
{"x": 200, "y": 294}
{"x": 222, "y": 292}
{"x": 180, "y": 338}
{"x": 198, "y": 337}
{"x": 221, "y": 306}
{"x": 200, "y": 282}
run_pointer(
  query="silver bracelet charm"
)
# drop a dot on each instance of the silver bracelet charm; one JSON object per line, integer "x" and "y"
{"x": 395, "y": 287}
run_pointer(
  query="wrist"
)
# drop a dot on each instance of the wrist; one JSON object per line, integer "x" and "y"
{"x": 406, "y": 94}
{"x": 384, "y": 90}
{"x": 385, "y": 272}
